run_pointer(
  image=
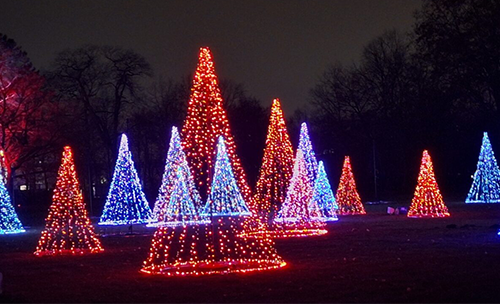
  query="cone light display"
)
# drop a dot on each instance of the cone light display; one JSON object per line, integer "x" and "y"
{"x": 9, "y": 221}
{"x": 68, "y": 229}
{"x": 347, "y": 196}
{"x": 427, "y": 200}
{"x": 323, "y": 202}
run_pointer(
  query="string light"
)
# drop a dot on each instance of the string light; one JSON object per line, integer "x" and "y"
{"x": 9, "y": 221}
{"x": 485, "y": 187}
{"x": 427, "y": 200}
{"x": 206, "y": 120}
{"x": 214, "y": 248}
{"x": 306, "y": 146}
{"x": 348, "y": 198}
{"x": 225, "y": 198}
{"x": 294, "y": 217}
{"x": 68, "y": 229}
{"x": 126, "y": 203}
{"x": 323, "y": 201}
{"x": 277, "y": 166}
{"x": 178, "y": 199}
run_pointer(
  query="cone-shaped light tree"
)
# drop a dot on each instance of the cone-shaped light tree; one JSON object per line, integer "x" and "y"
{"x": 348, "y": 198}
{"x": 323, "y": 201}
{"x": 206, "y": 120}
{"x": 217, "y": 247}
{"x": 9, "y": 221}
{"x": 126, "y": 203}
{"x": 306, "y": 146}
{"x": 294, "y": 218}
{"x": 225, "y": 198}
{"x": 68, "y": 229}
{"x": 178, "y": 200}
{"x": 277, "y": 166}
{"x": 485, "y": 186}
{"x": 427, "y": 200}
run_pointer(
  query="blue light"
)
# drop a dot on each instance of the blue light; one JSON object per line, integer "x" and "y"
{"x": 309, "y": 156}
{"x": 323, "y": 201}
{"x": 225, "y": 198}
{"x": 126, "y": 203}
{"x": 9, "y": 222}
{"x": 178, "y": 199}
{"x": 485, "y": 187}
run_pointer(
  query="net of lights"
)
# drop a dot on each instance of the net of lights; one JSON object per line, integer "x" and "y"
{"x": 427, "y": 200}
{"x": 347, "y": 196}
{"x": 178, "y": 200}
{"x": 485, "y": 186}
{"x": 68, "y": 229}
{"x": 206, "y": 120}
{"x": 294, "y": 216}
{"x": 323, "y": 201}
{"x": 9, "y": 221}
{"x": 126, "y": 203}
{"x": 217, "y": 247}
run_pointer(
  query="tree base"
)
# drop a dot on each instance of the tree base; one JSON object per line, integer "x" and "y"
{"x": 284, "y": 233}
{"x": 67, "y": 252}
{"x": 211, "y": 267}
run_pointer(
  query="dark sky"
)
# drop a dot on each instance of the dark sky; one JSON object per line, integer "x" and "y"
{"x": 276, "y": 48}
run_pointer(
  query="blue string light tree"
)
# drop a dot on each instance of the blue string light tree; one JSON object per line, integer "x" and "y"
{"x": 126, "y": 203}
{"x": 306, "y": 146}
{"x": 225, "y": 198}
{"x": 295, "y": 218}
{"x": 323, "y": 201}
{"x": 485, "y": 187}
{"x": 217, "y": 247}
{"x": 178, "y": 199}
{"x": 9, "y": 221}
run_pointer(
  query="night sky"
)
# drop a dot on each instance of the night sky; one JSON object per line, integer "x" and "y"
{"x": 275, "y": 48}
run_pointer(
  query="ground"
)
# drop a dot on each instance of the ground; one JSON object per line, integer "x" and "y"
{"x": 371, "y": 258}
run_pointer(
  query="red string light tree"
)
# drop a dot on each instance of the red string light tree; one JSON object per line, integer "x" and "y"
{"x": 427, "y": 200}
{"x": 68, "y": 229}
{"x": 217, "y": 247}
{"x": 348, "y": 198}
{"x": 206, "y": 120}
{"x": 276, "y": 169}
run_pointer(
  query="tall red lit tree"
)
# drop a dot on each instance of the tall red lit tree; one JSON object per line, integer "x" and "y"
{"x": 348, "y": 198}
{"x": 68, "y": 229}
{"x": 427, "y": 200}
{"x": 206, "y": 120}
{"x": 277, "y": 166}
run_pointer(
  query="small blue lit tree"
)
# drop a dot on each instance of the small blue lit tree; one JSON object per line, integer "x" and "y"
{"x": 309, "y": 156}
{"x": 9, "y": 222}
{"x": 323, "y": 201}
{"x": 178, "y": 199}
{"x": 225, "y": 198}
{"x": 126, "y": 203}
{"x": 485, "y": 187}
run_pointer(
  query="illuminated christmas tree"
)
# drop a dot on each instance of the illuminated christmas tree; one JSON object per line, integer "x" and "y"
{"x": 277, "y": 166}
{"x": 323, "y": 201}
{"x": 219, "y": 246}
{"x": 225, "y": 198}
{"x": 294, "y": 217}
{"x": 427, "y": 201}
{"x": 306, "y": 146}
{"x": 4, "y": 166}
{"x": 206, "y": 120}
{"x": 126, "y": 203}
{"x": 348, "y": 198}
{"x": 485, "y": 187}
{"x": 178, "y": 199}
{"x": 68, "y": 229}
{"x": 9, "y": 222}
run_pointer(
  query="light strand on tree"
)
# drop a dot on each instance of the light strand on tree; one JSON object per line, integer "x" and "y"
{"x": 178, "y": 200}
{"x": 9, "y": 221}
{"x": 427, "y": 200}
{"x": 206, "y": 120}
{"x": 347, "y": 196}
{"x": 323, "y": 201}
{"x": 68, "y": 229}
{"x": 485, "y": 186}
{"x": 126, "y": 203}
{"x": 306, "y": 146}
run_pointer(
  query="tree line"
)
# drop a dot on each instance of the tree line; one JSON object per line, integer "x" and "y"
{"x": 436, "y": 87}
